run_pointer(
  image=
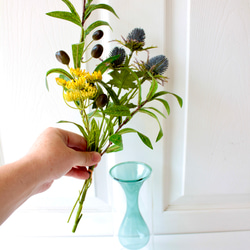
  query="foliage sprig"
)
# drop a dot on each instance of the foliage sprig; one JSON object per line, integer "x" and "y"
{"x": 107, "y": 107}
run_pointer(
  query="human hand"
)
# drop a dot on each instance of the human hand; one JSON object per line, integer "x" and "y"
{"x": 56, "y": 153}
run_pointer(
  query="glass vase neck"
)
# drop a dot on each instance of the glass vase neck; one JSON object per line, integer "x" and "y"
{"x": 130, "y": 171}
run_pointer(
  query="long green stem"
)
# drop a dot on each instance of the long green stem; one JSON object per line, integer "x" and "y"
{"x": 81, "y": 199}
{"x": 129, "y": 58}
{"x": 83, "y": 12}
{"x": 85, "y": 120}
{"x": 83, "y": 20}
{"x": 75, "y": 204}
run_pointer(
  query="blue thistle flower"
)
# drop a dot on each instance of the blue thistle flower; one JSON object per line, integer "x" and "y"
{"x": 137, "y": 34}
{"x": 135, "y": 39}
{"x": 119, "y": 61}
{"x": 157, "y": 65}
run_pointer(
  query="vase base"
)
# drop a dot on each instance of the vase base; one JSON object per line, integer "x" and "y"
{"x": 134, "y": 242}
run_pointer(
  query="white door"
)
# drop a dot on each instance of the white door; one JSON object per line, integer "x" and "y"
{"x": 206, "y": 172}
{"x": 200, "y": 180}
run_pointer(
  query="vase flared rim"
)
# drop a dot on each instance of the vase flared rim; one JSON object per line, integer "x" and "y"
{"x": 141, "y": 173}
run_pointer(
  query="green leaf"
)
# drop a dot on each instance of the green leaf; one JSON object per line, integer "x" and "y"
{"x": 145, "y": 140}
{"x": 153, "y": 89}
{"x": 116, "y": 139}
{"x": 71, "y": 7}
{"x": 114, "y": 148}
{"x": 64, "y": 77}
{"x": 89, "y": 2}
{"x": 68, "y": 16}
{"x": 103, "y": 66}
{"x": 110, "y": 126}
{"x": 179, "y": 99}
{"x": 59, "y": 71}
{"x": 165, "y": 103}
{"x": 126, "y": 130}
{"x": 158, "y": 111}
{"x": 93, "y": 7}
{"x": 143, "y": 137}
{"x": 123, "y": 79}
{"x": 94, "y": 136}
{"x": 95, "y": 25}
{"x": 160, "y": 93}
{"x": 77, "y": 51}
{"x": 79, "y": 127}
{"x": 136, "y": 76}
{"x": 160, "y": 133}
{"x": 116, "y": 110}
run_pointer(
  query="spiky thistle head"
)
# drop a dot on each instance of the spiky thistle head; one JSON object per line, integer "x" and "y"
{"x": 154, "y": 67}
{"x": 119, "y": 61}
{"x": 135, "y": 39}
{"x": 157, "y": 65}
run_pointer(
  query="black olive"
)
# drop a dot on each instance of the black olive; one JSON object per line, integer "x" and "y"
{"x": 97, "y": 35}
{"x": 97, "y": 50}
{"x": 62, "y": 57}
{"x": 101, "y": 100}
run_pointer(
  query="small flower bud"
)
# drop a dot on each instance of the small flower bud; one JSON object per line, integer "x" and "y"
{"x": 97, "y": 35}
{"x": 97, "y": 50}
{"x": 101, "y": 100}
{"x": 62, "y": 57}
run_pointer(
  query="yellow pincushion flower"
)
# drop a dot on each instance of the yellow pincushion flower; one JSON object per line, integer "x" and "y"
{"x": 76, "y": 83}
{"x": 61, "y": 81}
{"x": 81, "y": 87}
{"x": 94, "y": 77}
{"x": 77, "y": 72}
{"x": 70, "y": 96}
{"x": 86, "y": 91}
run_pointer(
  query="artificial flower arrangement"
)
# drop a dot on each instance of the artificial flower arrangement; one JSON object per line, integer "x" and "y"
{"x": 107, "y": 107}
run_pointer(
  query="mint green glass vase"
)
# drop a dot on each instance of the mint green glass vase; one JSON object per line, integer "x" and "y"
{"x": 133, "y": 232}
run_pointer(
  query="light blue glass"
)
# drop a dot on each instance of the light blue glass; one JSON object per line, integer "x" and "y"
{"x": 133, "y": 232}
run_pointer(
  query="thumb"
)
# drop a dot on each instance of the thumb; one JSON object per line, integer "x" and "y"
{"x": 86, "y": 158}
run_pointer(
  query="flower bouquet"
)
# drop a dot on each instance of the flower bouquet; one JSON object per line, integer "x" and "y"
{"x": 106, "y": 107}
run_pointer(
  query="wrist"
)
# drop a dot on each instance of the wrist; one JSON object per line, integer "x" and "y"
{"x": 17, "y": 184}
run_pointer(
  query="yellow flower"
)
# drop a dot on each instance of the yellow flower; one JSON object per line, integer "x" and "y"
{"x": 94, "y": 77}
{"x": 70, "y": 96}
{"x": 61, "y": 81}
{"x": 77, "y": 83}
{"x": 79, "y": 89}
{"x": 82, "y": 86}
{"x": 77, "y": 72}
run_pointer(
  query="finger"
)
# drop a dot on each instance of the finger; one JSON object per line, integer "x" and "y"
{"x": 74, "y": 140}
{"x": 79, "y": 173}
